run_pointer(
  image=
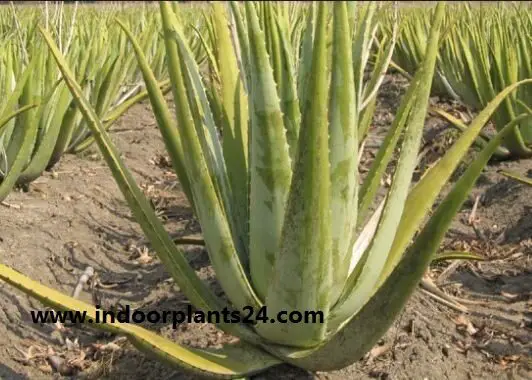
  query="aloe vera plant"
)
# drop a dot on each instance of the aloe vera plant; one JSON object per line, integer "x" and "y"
{"x": 486, "y": 53}
{"x": 482, "y": 52}
{"x": 304, "y": 237}
{"x": 34, "y": 141}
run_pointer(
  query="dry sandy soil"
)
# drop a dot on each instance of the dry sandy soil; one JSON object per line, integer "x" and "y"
{"x": 76, "y": 217}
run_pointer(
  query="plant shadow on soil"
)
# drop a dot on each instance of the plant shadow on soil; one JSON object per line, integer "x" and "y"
{"x": 77, "y": 218}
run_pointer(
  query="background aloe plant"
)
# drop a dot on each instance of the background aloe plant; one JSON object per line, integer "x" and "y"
{"x": 486, "y": 53}
{"x": 305, "y": 221}
{"x": 482, "y": 52}
{"x": 34, "y": 141}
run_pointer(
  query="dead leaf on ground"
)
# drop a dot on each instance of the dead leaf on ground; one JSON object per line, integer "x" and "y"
{"x": 462, "y": 322}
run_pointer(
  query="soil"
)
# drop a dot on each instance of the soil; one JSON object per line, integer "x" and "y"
{"x": 76, "y": 217}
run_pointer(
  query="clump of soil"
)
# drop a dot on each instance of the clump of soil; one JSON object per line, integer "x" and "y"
{"x": 76, "y": 217}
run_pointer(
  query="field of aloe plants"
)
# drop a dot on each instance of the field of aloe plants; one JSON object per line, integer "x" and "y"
{"x": 367, "y": 160}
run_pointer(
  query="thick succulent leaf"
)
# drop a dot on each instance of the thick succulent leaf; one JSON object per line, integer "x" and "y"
{"x": 359, "y": 290}
{"x": 23, "y": 139}
{"x": 400, "y": 70}
{"x": 232, "y": 199}
{"x": 6, "y": 117}
{"x": 364, "y": 239}
{"x": 243, "y": 43}
{"x": 230, "y": 361}
{"x": 104, "y": 89}
{"x": 115, "y": 113}
{"x": 172, "y": 256}
{"x": 365, "y": 32}
{"x": 518, "y": 177}
{"x": 517, "y": 144}
{"x": 303, "y": 270}
{"x": 383, "y": 58}
{"x": 371, "y": 183}
{"x": 288, "y": 90}
{"x": 305, "y": 59}
{"x": 269, "y": 27}
{"x": 163, "y": 116}
{"x": 482, "y": 139}
{"x": 235, "y": 126}
{"x": 360, "y": 251}
{"x": 14, "y": 98}
{"x": 71, "y": 120}
{"x": 213, "y": 65}
{"x": 365, "y": 329}
{"x": 45, "y": 144}
{"x": 215, "y": 225}
{"x": 270, "y": 167}
{"x": 343, "y": 151}
{"x": 365, "y": 118}
{"x": 456, "y": 255}
{"x": 424, "y": 193}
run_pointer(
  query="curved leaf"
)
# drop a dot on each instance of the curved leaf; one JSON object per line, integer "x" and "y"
{"x": 231, "y": 361}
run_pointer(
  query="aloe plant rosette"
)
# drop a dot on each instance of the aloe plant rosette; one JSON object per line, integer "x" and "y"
{"x": 286, "y": 224}
{"x": 482, "y": 52}
{"x": 34, "y": 141}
